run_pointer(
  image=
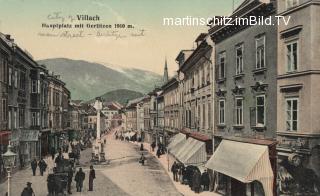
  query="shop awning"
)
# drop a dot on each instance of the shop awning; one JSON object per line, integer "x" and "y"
{"x": 29, "y": 135}
{"x": 245, "y": 162}
{"x": 192, "y": 152}
{"x": 176, "y": 140}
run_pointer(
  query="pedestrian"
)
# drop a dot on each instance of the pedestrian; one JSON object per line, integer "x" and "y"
{"x": 79, "y": 178}
{"x": 158, "y": 152}
{"x": 42, "y": 166}
{"x": 141, "y": 147}
{"x": 70, "y": 175}
{"x": 153, "y": 145}
{"x": 205, "y": 180}
{"x": 52, "y": 152}
{"x": 51, "y": 184}
{"x": 59, "y": 158}
{"x": 34, "y": 166}
{"x": 142, "y": 159}
{"x": 92, "y": 176}
{"x": 196, "y": 184}
{"x": 104, "y": 140}
{"x": 174, "y": 170}
{"x": 28, "y": 191}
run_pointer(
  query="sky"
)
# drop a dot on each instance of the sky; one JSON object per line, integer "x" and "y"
{"x": 23, "y": 20}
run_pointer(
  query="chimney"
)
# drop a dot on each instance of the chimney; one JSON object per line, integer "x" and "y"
{"x": 8, "y": 37}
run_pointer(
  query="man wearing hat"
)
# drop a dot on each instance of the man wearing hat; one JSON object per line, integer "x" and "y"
{"x": 28, "y": 191}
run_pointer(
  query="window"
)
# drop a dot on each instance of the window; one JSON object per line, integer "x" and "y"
{"x": 10, "y": 76}
{"x": 209, "y": 116}
{"x": 291, "y": 3}
{"x": 16, "y": 79}
{"x": 292, "y": 114}
{"x": 239, "y": 111}
{"x": 15, "y": 119}
{"x": 22, "y": 81}
{"x": 203, "y": 116}
{"x": 260, "y": 110}
{"x": 222, "y": 59}
{"x": 9, "y": 119}
{"x": 222, "y": 112}
{"x": 260, "y": 52}
{"x": 239, "y": 59}
{"x": 292, "y": 56}
{"x": 34, "y": 86}
{"x": 4, "y": 110}
{"x": 35, "y": 118}
{"x": 21, "y": 117}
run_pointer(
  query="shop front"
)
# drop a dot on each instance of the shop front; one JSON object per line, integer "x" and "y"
{"x": 298, "y": 164}
{"x": 29, "y": 145}
{"x": 4, "y": 141}
{"x": 244, "y": 167}
{"x": 45, "y": 142}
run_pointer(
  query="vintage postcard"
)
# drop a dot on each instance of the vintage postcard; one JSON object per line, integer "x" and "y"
{"x": 153, "y": 98}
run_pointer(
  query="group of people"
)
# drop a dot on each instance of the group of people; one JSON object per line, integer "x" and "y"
{"x": 41, "y": 164}
{"x": 80, "y": 176}
{"x": 192, "y": 176}
{"x": 161, "y": 149}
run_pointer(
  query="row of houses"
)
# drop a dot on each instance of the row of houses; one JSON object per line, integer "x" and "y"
{"x": 244, "y": 102}
{"x": 34, "y": 104}
{"x": 37, "y": 115}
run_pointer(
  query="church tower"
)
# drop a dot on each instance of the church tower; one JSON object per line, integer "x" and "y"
{"x": 165, "y": 74}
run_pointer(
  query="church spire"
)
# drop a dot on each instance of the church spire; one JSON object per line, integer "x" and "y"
{"x": 165, "y": 74}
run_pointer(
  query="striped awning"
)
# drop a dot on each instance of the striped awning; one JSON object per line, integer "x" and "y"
{"x": 245, "y": 162}
{"x": 192, "y": 152}
{"x": 176, "y": 140}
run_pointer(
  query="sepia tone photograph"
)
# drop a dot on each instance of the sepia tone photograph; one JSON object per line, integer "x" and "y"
{"x": 153, "y": 98}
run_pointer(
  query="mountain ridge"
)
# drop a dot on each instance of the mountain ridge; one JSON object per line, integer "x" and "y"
{"x": 87, "y": 80}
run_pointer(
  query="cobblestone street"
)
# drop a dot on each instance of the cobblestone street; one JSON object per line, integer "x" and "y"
{"x": 122, "y": 176}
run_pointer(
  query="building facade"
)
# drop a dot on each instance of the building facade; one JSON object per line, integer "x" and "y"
{"x": 146, "y": 135}
{"x": 245, "y": 98}
{"x": 171, "y": 108}
{"x": 195, "y": 75}
{"x": 5, "y": 60}
{"x": 58, "y": 98}
{"x": 298, "y": 104}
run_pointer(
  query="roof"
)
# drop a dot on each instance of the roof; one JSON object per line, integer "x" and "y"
{"x": 201, "y": 37}
{"x": 134, "y": 102}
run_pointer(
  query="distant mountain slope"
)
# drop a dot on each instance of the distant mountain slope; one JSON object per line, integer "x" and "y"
{"x": 87, "y": 80}
{"x": 121, "y": 96}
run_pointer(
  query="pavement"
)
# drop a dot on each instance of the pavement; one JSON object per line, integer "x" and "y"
{"x": 166, "y": 162}
{"x": 123, "y": 175}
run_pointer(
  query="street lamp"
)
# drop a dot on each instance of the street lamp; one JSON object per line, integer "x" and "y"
{"x": 8, "y": 162}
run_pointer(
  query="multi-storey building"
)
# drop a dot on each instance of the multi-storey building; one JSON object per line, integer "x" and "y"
{"x": 5, "y": 59}
{"x": 75, "y": 120}
{"x": 298, "y": 79}
{"x": 22, "y": 121}
{"x": 146, "y": 133}
{"x": 245, "y": 102}
{"x": 171, "y": 108}
{"x": 159, "y": 126}
{"x": 153, "y": 113}
{"x": 110, "y": 110}
{"x": 195, "y": 98}
{"x": 58, "y": 98}
{"x": 39, "y": 106}
{"x": 140, "y": 120}
{"x": 131, "y": 115}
